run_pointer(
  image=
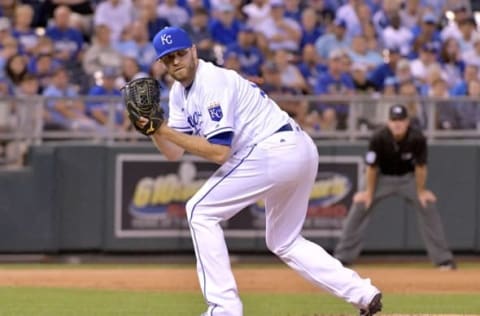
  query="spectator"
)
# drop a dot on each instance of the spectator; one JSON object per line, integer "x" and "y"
{"x": 130, "y": 71}
{"x": 411, "y": 13}
{"x": 100, "y": 111}
{"x": 472, "y": 56}
{"x": 310, "y": 66}
{"x": 325, "y": 15}
{"x": 396, "y": 35}
{"x": 68, "y": 112}
{"x": 290, "y": 74}
{"x": 382, "y": 18}
{"x": 256, "y": 12}
{"x": 426, "y": 59}
{"x": 416, "y": 110}
{"x": 274, "y": 87}
{"x": 385, "y": 70}
{"x": 359, "y": 53}
{"x": 359, "y": 73}
{"x": 142, "y": 49}
{"x": 200, "y": 34}
{"x": 5, "y": 28}
{"x": 116, "y": 15}
{"x": 173, "y": 13}
{"x": 365, "y": 111}
{"x": 15, "y": 69}
{"x": 22, "y": 30}
{"x": 8, "y": 49}
{"x": 148, "y": 15}
{"x": 348, "y": 13}
{"x": 225, "y": 27}
{"x": 468, "y": 33}
{"x": 250, "y": 57}
{"x": 469, "y": 111}
{"x": 43, "y": 66}
{"x": 403, "y": 72}
{"x": 68, "y": 42}
{"x": 101, "y": 53}
{"x": 470, "y": 74}
{"x": 281, "y": 32}
{"x": 335, "y": 82}
{"x": 311, "y": 29}
{"x": 452, "y": 29}
{"x": 426, "y": 32}
{"x": 293, "y": 10}
{"x": 336, "y": 39}
{"x": 447, "y": 112}
{"x": 451, "y": 61}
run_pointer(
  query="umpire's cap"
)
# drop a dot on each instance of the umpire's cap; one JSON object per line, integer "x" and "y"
{"x": 169, "y": 40}
{"x": 398, "y": 112}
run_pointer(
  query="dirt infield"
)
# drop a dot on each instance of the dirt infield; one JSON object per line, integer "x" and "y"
{"x": 262, "y": 279}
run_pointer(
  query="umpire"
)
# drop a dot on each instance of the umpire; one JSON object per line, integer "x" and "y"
{"x": 396, "y": 165}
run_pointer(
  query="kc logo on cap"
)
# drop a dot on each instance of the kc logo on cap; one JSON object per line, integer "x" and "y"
{"x": 170, "y": 39}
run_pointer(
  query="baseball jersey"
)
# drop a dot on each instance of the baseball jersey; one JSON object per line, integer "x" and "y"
{"x": 219, "y": 101}
{"x": 397, "y": 157}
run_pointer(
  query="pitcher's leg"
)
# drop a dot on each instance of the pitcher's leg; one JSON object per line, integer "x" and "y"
{"x": 350, "y": 243}
{"x": 285, "y": 216}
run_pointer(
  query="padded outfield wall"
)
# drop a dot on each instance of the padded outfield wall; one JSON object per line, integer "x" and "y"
{"x": 129, "y": 199}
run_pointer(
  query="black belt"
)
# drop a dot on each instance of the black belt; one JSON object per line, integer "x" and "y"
{"x": 285, "y": 128}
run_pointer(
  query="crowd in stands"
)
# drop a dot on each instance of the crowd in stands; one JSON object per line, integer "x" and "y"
{"x": 65, "y": 48}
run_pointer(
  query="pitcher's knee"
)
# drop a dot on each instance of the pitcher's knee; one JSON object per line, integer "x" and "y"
{"x": 278, "y": 248}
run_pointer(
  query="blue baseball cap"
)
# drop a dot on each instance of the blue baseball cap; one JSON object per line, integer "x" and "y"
{"x": 170, "y": 39}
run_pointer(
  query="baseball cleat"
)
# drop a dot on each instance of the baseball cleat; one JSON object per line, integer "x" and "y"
{"x": 374, "y": 306}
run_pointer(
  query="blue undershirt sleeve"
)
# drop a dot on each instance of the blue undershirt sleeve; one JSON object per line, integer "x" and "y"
{"x": 222, "y": 139}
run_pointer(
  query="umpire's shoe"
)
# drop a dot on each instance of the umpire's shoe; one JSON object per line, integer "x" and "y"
{"x": 374, "y": 306}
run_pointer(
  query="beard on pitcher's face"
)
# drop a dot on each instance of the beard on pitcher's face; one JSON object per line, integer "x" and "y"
{"x": 181, "y": 64}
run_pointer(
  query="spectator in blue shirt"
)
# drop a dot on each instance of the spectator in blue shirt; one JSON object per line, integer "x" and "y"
{"x": 200, "y": 34}
{"x": 310, "y": 66}
{"x": 100, "y": 111}
{"x": 311, "y": 30}
{"x": 148, "y": 14}
{"x": 426, "y": 32}
{"x": 68, "y": 42}
{"x": 225, "y": 28}
{"x": 250, "y": 57}
{"x": 336, "y": 39}
{"x": 22, "y": 29}
{"x": 335, "y": 82}
{"x": 385, "y": 70}
{"x": 470, "y": 73}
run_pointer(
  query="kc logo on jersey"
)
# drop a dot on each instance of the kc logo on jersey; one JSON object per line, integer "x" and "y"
{"x": 215, "y": 111}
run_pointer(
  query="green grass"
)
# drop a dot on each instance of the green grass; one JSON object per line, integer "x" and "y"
{"x": 59, "y": 302}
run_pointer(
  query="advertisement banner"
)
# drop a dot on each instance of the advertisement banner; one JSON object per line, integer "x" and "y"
{"x": 151, "y": 193}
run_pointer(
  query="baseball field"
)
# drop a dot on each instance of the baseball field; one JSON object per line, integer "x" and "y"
{"x": 267, "y": 289}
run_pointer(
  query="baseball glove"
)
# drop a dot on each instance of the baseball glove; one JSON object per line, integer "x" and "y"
{"x": 142, "y": 99}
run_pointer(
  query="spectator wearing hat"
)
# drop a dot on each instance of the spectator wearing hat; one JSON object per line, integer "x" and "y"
{"x": 100, "y": 111}
{"x": 200, "y": 34}
{"x": 249, "y": 56}
{"x": 385, "y": 70}
{"x": 396, "y": 166}
{"x": 225, "y": 26}
{"x": 426, "y": 32}
{"x": 281, "y": 32}
{"x": 427, "y": 58}
{"x": 333, "y": 40}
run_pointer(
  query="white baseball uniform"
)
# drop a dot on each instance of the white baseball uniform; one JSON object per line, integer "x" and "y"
{"x": 272, "y": 159}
